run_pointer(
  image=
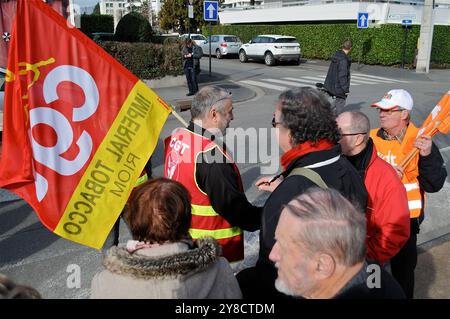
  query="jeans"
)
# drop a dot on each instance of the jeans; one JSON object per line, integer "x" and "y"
{"x": 191, "y": 78}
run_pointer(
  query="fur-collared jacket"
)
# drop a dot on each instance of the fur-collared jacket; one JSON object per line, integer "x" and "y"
{"x": 170, "y": 271}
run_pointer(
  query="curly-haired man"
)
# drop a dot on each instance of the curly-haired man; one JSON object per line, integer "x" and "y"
{"x": 308, "y": 135}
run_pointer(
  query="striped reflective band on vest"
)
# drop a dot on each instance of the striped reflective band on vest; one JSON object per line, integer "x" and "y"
{"x": 414, "y": 199}
{"x": 198, "y": 210}
{"x": 217, "y": 233}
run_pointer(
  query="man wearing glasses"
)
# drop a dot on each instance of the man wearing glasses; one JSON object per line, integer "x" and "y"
{"x": 197, "y": 158}
{"x": 308, "y": 136}
{"x": 425, "y": 172}
{"x": 387, "y": 212}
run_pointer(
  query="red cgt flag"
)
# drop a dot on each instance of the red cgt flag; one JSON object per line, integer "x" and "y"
{"x": 78, "y": 126}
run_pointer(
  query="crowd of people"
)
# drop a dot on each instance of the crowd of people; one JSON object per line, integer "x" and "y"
{"x": 343, "y": 203}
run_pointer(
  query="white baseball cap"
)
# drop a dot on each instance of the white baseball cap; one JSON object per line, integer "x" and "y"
{"x": 395, "y": 98}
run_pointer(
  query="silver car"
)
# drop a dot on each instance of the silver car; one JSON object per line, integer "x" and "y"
{"x": 222, "y": 45}
{"x": 199, "y": 39}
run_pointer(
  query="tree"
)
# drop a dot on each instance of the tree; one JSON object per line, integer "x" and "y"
{"x": 133, "y": 27}
{"x": 96, "y": 9}
{"x": 174, "y": 16}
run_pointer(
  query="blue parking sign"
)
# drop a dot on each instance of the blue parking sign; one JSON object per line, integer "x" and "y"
{"x": 210, "y": 10}
{"x": 363, "y": 20}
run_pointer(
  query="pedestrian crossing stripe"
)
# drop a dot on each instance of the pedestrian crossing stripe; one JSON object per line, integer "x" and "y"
{"x": 265, "y": 85}
{"x": 287, "y": 82}
{"x": 310, "y": 81}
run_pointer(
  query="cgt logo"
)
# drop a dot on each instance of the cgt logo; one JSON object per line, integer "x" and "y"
{"x": 50, "y": 156}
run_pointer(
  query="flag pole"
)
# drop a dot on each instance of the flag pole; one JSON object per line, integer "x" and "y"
{"x": 414, "y": 151}
{"x": 179, "y": 118}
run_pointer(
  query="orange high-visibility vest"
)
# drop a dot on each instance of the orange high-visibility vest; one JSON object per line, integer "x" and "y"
{"x": 182, "y": 151}
{"x": 393, "y": 152}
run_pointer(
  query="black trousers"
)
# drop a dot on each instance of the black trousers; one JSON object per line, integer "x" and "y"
{"x": 339, "y": 105}
{"x": 404, "y": 263}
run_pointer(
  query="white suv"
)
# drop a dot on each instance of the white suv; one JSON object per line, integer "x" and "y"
{"x": 271, "y": 48}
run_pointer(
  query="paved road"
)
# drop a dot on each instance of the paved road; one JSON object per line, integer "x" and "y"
{"x": 31, "y": 254}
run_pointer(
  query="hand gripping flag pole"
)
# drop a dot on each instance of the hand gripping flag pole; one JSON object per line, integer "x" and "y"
{"x": 437, "y": 122}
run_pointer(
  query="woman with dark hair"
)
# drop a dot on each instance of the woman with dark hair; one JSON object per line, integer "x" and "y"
{"x": 308, "y": 135}
{"x": 162, "y": 261}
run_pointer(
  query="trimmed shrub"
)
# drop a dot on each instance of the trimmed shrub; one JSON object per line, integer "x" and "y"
{"x": 91, "y": 23}
{"x": 382, "y": 45}
{"x": 133, "y": 27}
{"x": 147, "y": 60}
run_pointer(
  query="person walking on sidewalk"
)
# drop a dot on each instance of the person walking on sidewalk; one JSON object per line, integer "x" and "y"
{"x": 425, "y": 173}
{"x": 191, "y": 54}
{"x": 337, "y": 82}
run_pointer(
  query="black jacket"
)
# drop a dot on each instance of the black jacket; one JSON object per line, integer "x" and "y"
{"x": 337, "y": 82}
{"x": 220, "y": 181}
{"x": 340, "y": 175}
{"x": 358, "y": 288}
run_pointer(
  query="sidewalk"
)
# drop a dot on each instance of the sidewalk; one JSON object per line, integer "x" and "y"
{"x": 176, "y": 96}
{"x": 433, "y": 269}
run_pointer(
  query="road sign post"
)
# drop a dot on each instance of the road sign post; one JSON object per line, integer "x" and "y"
{"x": 362, "y": 22}
{"x": 209, "y": 37}
{"x": 406, "y": 24}
{"x": 190, "y": 8}
{"x": 210, "y": 13}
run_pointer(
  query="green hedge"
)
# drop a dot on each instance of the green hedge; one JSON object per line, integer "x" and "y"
{"x": 382, "y": 45}
{"x": 147, "y": 60}
{"x": 91, "y": 23}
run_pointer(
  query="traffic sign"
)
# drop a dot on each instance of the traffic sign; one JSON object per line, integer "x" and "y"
{"x": 406, "y": 22}
{"x": 210, "y": 10}
{"x": 363, "y": 20}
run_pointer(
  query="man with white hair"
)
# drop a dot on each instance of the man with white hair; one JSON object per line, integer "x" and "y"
{"x": 426, "y": 172}
{"x": 320, "y": 251}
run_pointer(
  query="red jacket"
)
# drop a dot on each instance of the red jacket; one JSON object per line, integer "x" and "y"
{"x": 387, "y": 214}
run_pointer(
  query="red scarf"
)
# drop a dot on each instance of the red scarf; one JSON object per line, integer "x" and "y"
{"x": 303, "y": 149}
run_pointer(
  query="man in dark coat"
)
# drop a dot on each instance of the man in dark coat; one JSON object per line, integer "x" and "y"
{"x": 307, "y": 133}
{"x": 191, "y": 55}
{"x": 337, "y": 82}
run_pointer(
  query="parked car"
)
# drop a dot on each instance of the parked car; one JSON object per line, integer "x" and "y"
{"x": 222, "y": 45}
{"x": 199, "y": 39}
{"x": 271, "y": 48}
{"x": 2, "y": 95}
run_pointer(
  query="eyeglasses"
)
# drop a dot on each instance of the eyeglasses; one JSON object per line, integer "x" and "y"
{"x": 390, "y": 111}
{"x": 350, "y": 134}
{"x": 274, "y": 124}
